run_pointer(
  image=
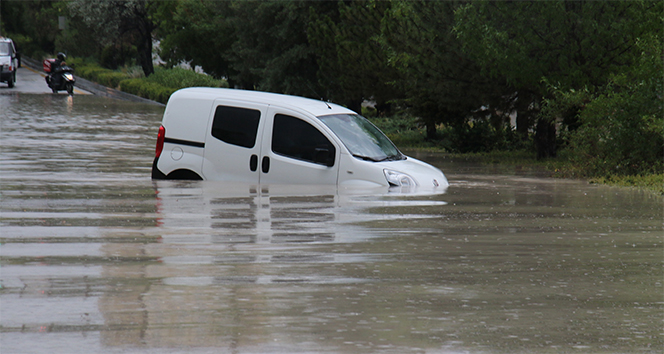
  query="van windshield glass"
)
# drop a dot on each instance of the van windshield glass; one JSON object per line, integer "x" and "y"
{"x": 362, "y": 138}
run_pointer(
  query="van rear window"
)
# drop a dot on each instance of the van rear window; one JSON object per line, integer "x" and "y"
{"x": 237, "y": 126}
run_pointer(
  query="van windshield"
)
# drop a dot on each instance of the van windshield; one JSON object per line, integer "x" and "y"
{"x": 362, "y": 138}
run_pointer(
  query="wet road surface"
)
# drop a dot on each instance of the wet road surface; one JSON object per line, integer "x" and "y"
{"x": 97, "y": 258}
{"x": 32, "y": 81}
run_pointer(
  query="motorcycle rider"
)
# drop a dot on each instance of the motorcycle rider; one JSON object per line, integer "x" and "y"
{"x": 56, "y": 69}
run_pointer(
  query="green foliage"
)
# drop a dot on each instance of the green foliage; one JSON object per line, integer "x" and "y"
{"x": 569, "y": 44}
{"x": 147, "y": 89}
{"x": 621, "y": 125}
{"x": 158, "y": 86}
{"x": 351, "y": 60}
{"x": 177, "y": 78}
{"x": 252, "y": 44}
{"x": 120, "y": 24}
{"x": 584, "y": 74}
{"x": 481, "y": 136}
{"x": 197, "y": 32}
{"x": 33, "y": 23}
{"x": 653, "y": 182}
{"x": 271, "y": 51}
{"x": 92, "y": 71}
{"x": 407, "y": 131}
{"x": 404, "y": 130}
{"x": 439, "y": 80}
{"x": 114, "y": 56}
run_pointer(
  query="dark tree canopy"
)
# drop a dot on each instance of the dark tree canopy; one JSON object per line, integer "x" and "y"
{"x": 470, "y": 66}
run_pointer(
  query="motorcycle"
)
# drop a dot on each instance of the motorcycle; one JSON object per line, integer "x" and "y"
{"x": 59, "y": 77}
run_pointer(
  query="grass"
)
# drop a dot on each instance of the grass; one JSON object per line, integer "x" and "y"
{"x": 650, "y": 182}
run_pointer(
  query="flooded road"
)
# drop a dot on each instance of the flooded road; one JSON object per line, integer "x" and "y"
{"x": 97, "y": 258}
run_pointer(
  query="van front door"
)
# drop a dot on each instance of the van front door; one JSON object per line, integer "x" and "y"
{"x": 297, "y": 150}
{"x": 233, "y": 142}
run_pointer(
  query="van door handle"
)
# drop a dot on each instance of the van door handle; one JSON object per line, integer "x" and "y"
{"x": 265, "y": 165}
{"x": 253, "y": 163}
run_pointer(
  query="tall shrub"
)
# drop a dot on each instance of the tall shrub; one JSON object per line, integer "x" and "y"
{"x": 621, "y": 128}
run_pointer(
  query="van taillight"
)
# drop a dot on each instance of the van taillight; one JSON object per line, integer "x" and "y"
{"x": 160, "y": 141}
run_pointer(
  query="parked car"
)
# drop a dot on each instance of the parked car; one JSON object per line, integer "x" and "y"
{"x": 266, "y": 138}
{"x": 9, "y": 61}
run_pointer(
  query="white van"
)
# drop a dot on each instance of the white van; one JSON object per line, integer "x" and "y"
{"x": 266, "y": 138}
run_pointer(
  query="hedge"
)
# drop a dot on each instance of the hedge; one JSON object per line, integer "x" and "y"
{"x": 147, "y": 89}
{"x": 157, "y": 87}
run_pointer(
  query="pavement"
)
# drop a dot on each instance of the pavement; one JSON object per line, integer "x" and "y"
{"x": 29, "y": 80}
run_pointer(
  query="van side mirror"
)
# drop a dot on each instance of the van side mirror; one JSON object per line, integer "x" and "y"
{"x": 324, "y": 156}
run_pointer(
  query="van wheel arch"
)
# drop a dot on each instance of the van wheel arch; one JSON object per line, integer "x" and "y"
{"x": 183, "y": 174}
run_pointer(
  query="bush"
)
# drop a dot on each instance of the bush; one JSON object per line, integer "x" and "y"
{"x": 403, "y": 130}
{"x": 114, "y": 56}
{"x": 89, "y": 70}
{"x": 157, "y": 87}
{"x": 621, "y": 130}
{"x": 111, "y": 79}
{"x": 178, "y": 78}
{"x": 147, "y": 89}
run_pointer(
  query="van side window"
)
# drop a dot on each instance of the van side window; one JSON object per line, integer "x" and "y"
{"x": 237, "y": 126}
{"x": 293, "y": 137}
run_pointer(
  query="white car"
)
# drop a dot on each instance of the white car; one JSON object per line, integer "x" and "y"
{"x": 9, "y": 61}
{"x": 266, "y": 138}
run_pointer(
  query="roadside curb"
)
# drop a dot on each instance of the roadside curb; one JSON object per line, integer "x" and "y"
{"x": 94, "y": 88}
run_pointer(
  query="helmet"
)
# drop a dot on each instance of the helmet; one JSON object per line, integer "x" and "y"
{"x": 62, "y": 56}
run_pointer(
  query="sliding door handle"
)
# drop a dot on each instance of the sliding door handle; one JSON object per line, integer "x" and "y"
{"x": 253, "y": 163}
{"x": 265, "y": 165}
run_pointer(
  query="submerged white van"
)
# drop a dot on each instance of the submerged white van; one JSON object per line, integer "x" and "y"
{"x": 266, "y": 138}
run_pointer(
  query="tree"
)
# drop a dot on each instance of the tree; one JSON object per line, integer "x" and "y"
{"x": 441, "y": 83}
{"x": 114, "y": 21}
{"x": 197, "y": 32}
{"x": 567, "y": 44}
{"x": 352, "y": 63}
{"x": 620, "y": 126}
{"x": 271, "y": 51}
{"x": 33, "y": 25}
{"x": 254, "y": 45}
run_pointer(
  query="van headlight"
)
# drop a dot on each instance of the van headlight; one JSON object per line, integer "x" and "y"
{"x": 395, "y": 178}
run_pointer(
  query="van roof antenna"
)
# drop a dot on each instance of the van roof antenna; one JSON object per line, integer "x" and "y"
{"x": 321, "y": 98}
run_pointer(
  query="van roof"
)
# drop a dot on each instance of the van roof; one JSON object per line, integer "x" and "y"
{"x": 315, "y": 107}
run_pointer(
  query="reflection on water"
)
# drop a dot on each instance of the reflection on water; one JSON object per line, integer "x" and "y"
{"x": 97, "y": 258}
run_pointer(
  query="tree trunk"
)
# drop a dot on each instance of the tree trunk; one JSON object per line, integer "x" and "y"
{"x": 145, "y": 48}
{"x": 522, "y": 124}
{"x": 431, "y": 129}
{"x": 545, "y": 139}
{"x": 355, "y": 106}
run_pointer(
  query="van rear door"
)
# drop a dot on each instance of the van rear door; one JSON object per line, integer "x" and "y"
{"x": 233, "y": 141}
{"x": 296, "y": 149}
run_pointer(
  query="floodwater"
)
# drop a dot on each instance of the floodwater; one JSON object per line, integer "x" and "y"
{"x": 97, "y": 258}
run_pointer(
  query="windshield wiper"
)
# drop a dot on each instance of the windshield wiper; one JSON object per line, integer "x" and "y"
{"x": 391, "y": 158}
{"x": 375, "y": 159}
{"x": 366, "y": 158}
